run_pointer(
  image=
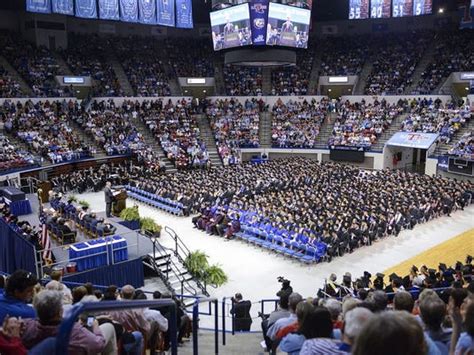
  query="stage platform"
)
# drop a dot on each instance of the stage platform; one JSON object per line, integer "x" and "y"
{"x": 120, "y": 273}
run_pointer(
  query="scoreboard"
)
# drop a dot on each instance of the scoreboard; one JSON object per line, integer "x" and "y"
{"x": 364, "y": 9}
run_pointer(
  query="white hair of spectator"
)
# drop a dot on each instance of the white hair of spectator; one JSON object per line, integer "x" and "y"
{"x": 48, "y": 304}
{"x": 89, "y": 298}
{"x": 349, "y": 304}
{"x": 54, "y": 286}
{"x": 334, "y": 307}
{"x": 355, "y": 320}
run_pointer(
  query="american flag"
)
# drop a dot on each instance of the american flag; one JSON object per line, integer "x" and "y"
{"x": 45, "y": 241}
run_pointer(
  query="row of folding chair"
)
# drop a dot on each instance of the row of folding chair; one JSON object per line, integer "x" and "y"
{"x": 291, "y": 248}
{"x": 155, "y": 201}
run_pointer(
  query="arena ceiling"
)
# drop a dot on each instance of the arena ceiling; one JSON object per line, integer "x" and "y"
{"x": 323, "y": 10}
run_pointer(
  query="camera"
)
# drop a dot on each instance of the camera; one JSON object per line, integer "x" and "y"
{"x": 282, "y": 279}
{"x": 286, "y": 289}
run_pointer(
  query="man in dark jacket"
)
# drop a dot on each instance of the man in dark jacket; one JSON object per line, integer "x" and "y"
{"x": 241, "y": 311}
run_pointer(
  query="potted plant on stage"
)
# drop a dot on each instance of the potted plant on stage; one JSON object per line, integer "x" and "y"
{"x": 131, "y": 218}
{"x": 150, "y": 227}
{"x": 215, "y": 276}
{"x": 83, "y": 203}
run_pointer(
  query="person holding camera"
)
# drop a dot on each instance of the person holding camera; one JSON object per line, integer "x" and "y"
{"x": 241, "y": 311}
{"x": 286, "y": 289}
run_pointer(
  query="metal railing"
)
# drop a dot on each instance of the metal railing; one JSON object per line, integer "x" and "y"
{"x": 65, "y": 328}
{"x": 196, "y": 326}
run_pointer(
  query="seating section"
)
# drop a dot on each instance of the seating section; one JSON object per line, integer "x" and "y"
{"x": 452, "y": 53}
{"x": 235, "y": 126}
{"x": 464, "y": 147}
{"x": 177, "y": 130}
{"x": 9, "y": 87}
{"x": 45, "y": 127}
{"x": 434, "y": 117}
{"x": 144, "y": 68}
{"x": 36, "y": 65}
{"x": 394, "y": 59}
{"x": 297, "y": 124}
{"x": 294, "y": 80}
{"x": 85, "y": 56}
{"x": 242, "y": 81}
{"x": 360, "y": 124}
{"x": 190, "y": 57}
{"x": 12, "y": 158}
{"x": 343, "y": 55}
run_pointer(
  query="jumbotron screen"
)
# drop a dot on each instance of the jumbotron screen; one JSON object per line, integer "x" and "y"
{"x": 288, "y": 26}
{"x": 231, "y": 27}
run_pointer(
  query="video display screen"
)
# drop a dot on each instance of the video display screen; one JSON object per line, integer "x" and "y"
{"x": 402, "y": 8}
{"x": 288, "y": 26}
{"x": 358, "y": 9}
{"x": 380, "y": 8}
{"x": 231, "y": 27}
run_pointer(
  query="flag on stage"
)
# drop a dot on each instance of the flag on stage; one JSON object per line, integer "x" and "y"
{"x": 45, "y": 243}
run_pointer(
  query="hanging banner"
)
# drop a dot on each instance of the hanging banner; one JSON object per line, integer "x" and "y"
{"x": 86, "y": 9}
{"x": 109, "y": 10}
{"x": 258, "y": 19}
{"x": 41, "y": 6}
{"x": 184, "y": 14}
{"x": 129, "y": 10}
{"x": 63, "y": 7}
{"x": 147, "y": 11}
{"x": 165, "y": 12}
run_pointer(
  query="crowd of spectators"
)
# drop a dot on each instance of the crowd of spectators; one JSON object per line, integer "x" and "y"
{"x": 395, "y": 58}
{"x": 111, "y": 126}
{"x": 176, "y": 129}
{"x": 297, "y": 124}
{"x": 464, "y": 147}
{"x": 9, "y": 87}
{"x": 359, "y": 124}
{"x": 343, "y": 55}
{"x": 85, "y": 57}
{"x": 432, "y": 116}
{"x": 235, "y": 125}
{"x": 12, "y": 158}
{"x": 190, "y": 57}
{"x": 294, "y": 80}
{"x": 45, "y": 127}
{"x": 31, "y": 314}
{"x": 452, "y": 54}
{"x": 144, "y": 68}
{"x": 36, "y": 65}
{"x": 428, "y": 311}
{"x": 242, "y": 81}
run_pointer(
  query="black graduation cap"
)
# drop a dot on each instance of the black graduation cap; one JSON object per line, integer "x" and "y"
{"x": 458, "y": 266}
{"x": 442, "y": 266}
{"x": 432, "y": 272}
{"x": 414, "y": 268}
{"x": 393, "y": 276}
{"x": 380, "y": 275}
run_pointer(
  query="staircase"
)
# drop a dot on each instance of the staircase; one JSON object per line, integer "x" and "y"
{"x": 386, "y": 135}
{"x": 25, "y": 88}
{"x": 88, "y": 140}
{"x": 152, "y": 142}
{"x": 419, "y": 70}
{"x": 442, "y": 148}
{"x": 363, "y": 76}
{"x": 168, "y": 264}
{"x": 326, "y": 131}
{"x": 265, "y": 129}
{"x": 267, "y": 81}
{"x": 238, "y": 344}
{"x": 314, "y": 77}
{"x": 173, "y": 82}
{"x": 219, "y": 77}
{"x": 119, "y": 73}
{"x": 63, "y": 67}
{"x": 208, "y": 138}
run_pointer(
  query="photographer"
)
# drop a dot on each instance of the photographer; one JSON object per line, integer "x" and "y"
{"x": 286, "y": 289}
{"x": 281, "y": 312}
{"x": 241, "y": 311}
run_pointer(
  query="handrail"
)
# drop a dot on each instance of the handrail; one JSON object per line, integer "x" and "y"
{"x": 67, "y": 324}
{"x": 195, "y": 323}
{"x": 180, "y": 246}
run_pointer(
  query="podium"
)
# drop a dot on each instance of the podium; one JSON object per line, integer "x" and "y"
{"x": 120, "y": 201}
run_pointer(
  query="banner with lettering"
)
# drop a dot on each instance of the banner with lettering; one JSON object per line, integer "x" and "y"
{"x": 184, "y": 14}
{"x": 41, "y": 6}
{"x": 109, "y": 9}
{"x": 63, "y": 7}
{"x": 165, "y": 12}
{"x": 147, "y": 10}
{"x": 86, "y": 9}
{"x": 258, "y": 19}
{"x": 129, "y": 10}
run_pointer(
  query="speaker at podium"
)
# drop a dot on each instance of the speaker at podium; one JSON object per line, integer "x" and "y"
{"x": 120, "y": 200}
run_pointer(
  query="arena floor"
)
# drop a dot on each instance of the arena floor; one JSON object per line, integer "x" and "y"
{"x": 253, "y": 271}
